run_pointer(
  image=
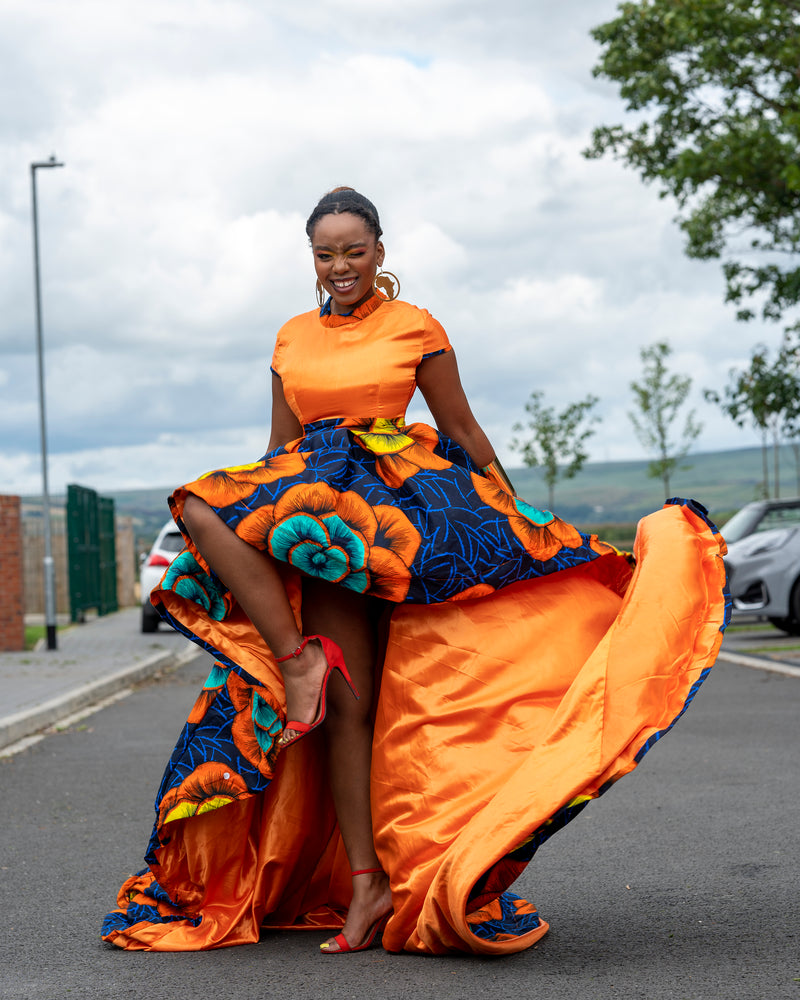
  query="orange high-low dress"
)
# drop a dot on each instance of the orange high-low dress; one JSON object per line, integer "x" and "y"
{"x": 528, "y": 666}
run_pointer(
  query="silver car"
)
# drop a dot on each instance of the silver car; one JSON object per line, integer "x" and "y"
{"x": 166, "y": 546}
{"x": 763, "y": 561}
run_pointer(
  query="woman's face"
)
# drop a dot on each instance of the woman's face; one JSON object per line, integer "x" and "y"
{"x": 346, "y": 258}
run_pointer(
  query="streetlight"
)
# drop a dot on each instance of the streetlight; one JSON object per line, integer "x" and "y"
{"x": 49, "y": 574}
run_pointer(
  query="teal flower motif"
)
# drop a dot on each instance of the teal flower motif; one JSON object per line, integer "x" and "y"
{"x": 218, "y": 677}
{"x": 323, "y": 547}
{"x": 187, "y": 578}
{"x": 533, "y": 513}
{"x": 338, "y": 537}
{"x": 266, "y": 723}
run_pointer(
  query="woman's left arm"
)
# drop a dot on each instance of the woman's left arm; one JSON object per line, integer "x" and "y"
{"x": 439, "y": 383}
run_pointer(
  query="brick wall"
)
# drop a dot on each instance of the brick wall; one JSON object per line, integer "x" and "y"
{"x": 12, "y": 590}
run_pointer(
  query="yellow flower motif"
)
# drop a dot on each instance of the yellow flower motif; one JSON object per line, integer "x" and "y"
{"x": 383, "y": 437}
{"x": 400, "y": 451}
{"x": 210, "y": 786}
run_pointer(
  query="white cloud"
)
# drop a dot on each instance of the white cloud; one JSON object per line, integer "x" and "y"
{"x": 198, "y": 135}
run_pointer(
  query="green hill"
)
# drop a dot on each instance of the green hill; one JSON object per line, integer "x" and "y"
{"x": 614, "y": 492}
{"x": 603, "y": 494}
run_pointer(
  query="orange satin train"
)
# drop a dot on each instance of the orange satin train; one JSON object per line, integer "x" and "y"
{"x": 499, "y": 718}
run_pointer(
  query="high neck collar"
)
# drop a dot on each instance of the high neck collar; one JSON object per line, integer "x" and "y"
{"x": 328, "y": 318}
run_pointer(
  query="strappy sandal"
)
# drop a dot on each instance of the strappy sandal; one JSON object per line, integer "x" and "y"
{"x": 335, "y": 658}
{"x": 369, "y": 938}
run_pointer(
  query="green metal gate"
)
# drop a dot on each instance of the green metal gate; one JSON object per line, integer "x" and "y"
{"x": 91, "y": 552}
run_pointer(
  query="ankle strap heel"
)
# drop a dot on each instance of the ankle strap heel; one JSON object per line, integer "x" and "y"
{"x": 335, "y": 660}
{"x": 294, "y": 652}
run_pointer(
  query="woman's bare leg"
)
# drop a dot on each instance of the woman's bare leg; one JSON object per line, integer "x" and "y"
{"x": 350, "y": 621}
{"x": 253, "y": 579}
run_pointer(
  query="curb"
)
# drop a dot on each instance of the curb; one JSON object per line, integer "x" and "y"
{"x": 30, "y": 721}
{"x": 760, "y": 663}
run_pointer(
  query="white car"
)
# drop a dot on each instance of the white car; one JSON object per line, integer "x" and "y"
{"x": 763, "y": 562}
{"x": 167, "y": 545}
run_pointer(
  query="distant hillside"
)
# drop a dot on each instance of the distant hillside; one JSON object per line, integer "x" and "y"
{"x": 610, "y": 492}
{"x": 604, "y": 493}
{"x": 613, "y": 492}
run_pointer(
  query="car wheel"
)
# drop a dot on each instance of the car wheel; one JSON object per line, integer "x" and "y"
{"x": 150, "y": 618}
{"x": 790, "y": 624}
{"x": 786, "y": 625}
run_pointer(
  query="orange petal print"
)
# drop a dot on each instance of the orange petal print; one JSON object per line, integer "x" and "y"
{"x": 255, "y": 729}
{"x": 479, "y": 590}
{"x": 395, "y": 469}
{"x": 543, "y": 541}
{"x": 240, "y": 692}
{"x": 204, "y": 701}
{"x": 209, "y": 786}
{"x": 225, "y": 486}
{"x": 317, "y": 499}
{"x": 389, "y": 576}
{"x": 255, "y": 528}
{"x": 604, "y": 548}
{"x": 357, "y": 514}
{"x": 424, "y": 434}
{"x": 397, "y": 533}
{"x": 426, "y": 459}
{"x": 566, "y": 533}
{"x": 492, "y": 495}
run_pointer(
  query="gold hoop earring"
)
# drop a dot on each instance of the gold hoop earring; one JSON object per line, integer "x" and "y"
{"x": 386, "y": 285}
{"x": 321, "y": 295}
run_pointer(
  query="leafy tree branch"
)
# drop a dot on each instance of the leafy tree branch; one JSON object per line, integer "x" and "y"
{"x": 716, "y": 88}
{"x": 557, "y": 440}
{"x": 659, "y": 398}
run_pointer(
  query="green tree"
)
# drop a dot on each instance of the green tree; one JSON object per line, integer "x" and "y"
{"x": 791, "y": 414}
{"x": 768, "y": 394}
{"x": 659, "y": 397}
{"x": 716, "y": 88}
{"x": 556, "y": 440}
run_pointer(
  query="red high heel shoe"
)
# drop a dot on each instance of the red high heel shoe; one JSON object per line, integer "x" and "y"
{"x": 377, "y": 928}
{"x": 335, "y": 658}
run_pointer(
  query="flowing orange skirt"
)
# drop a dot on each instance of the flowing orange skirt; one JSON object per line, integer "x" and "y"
{"x": 498, "y": 719}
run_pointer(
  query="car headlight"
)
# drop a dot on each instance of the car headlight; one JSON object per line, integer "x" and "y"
{"x": 754, "y": 545}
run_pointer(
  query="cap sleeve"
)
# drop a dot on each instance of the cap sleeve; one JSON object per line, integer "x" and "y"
{"x": 434, "y": 338}
{"x": 277, "y": 357}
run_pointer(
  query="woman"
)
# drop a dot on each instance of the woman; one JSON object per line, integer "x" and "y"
{"x": 290, "y": 567}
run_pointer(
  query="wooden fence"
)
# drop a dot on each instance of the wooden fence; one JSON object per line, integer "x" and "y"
{"x": 33, "y": 560}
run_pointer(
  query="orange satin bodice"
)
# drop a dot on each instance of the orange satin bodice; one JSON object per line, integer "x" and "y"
{"x": 355, "y": 366}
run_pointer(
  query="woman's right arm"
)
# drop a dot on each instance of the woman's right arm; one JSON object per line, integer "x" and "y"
{"x": 285, "y": 426}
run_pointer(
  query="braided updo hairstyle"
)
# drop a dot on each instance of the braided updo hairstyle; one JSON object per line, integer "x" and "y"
{"x": 345, "y": 199}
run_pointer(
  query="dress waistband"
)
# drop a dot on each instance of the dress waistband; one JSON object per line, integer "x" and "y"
{"x": 373, "y": 425}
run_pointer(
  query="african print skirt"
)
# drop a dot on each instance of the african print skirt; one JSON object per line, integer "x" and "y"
{"x": 528, "y": 667}
{"x": 396, "y": 512}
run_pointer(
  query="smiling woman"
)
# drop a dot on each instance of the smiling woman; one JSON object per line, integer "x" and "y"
{"x": 345, "y": 260}
{"x": 506, "y": 667}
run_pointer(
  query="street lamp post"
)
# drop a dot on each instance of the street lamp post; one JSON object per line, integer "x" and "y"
{"x": 49, "y": 573}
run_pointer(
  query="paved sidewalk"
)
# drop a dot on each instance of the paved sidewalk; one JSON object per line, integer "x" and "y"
{"x": 93, "y": 661}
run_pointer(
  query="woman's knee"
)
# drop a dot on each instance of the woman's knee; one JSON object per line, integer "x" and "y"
{"x": 195, "y": 514}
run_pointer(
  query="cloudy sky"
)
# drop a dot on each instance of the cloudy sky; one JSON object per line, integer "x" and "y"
{"x": 198, "y": 134}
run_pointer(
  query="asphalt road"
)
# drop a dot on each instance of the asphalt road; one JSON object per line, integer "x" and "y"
{"x": 680, "y": 883}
